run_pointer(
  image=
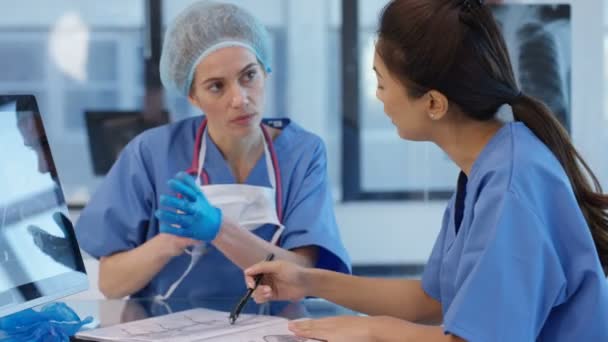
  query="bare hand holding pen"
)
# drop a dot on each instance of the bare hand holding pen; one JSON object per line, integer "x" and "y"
{"x": 282, "y": 281}
{"x": 287, "y": 281}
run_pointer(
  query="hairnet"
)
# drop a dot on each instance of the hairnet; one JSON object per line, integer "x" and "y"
{"x": 205, "y": 27}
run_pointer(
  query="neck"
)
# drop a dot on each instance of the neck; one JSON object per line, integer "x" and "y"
{"x": 241, "y": 153}
{"x": 464, "y": 141}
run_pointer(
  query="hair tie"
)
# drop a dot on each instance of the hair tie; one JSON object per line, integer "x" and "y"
{"x": 516, "y": 97}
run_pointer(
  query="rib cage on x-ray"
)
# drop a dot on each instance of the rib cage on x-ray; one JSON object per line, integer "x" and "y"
{"x": 538, "y": 39}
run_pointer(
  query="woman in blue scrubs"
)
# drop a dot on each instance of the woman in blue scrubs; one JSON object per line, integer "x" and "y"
{"x": 523, "y": 249}
{"x": 188, "y": 205}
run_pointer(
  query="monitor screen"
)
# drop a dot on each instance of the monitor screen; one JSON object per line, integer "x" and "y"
{"x": 40, "y": 259}
{"x": 110, "y": 131}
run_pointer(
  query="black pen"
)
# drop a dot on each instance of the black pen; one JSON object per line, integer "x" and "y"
{"x": 239, "y": 307}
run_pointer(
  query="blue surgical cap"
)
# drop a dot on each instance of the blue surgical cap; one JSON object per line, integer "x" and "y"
{"x": 205, "y": 27}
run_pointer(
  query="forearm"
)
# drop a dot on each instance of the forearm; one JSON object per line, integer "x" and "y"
{"x": 245, "y": 248}
{"x": 389, "y": 329}
{"x": 400, "y": 298}
{"x": 124, "y": 273}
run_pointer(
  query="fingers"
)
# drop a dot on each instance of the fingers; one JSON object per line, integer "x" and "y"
{"x": 187, "y": 179}
{"x": 184, "y": 242}
{"x": 311, "y": 328}
{"x": 165, "y": 228}
{"x": 188, "y": 187}
{"x": 172, "y": 218}
{"x": 249, "y": 281}
{"x": 176, "y": 203}
{"x": 263, "y": 294}
{"x": 181, "y": 187}
{"x": 262, "y": 268}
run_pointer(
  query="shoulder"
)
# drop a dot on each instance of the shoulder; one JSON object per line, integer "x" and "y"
{"x": 517, "y": 161}
{"x": 520, "y": 170}
{"x": 535, "y": 166}
{"x": 293, "y": 139}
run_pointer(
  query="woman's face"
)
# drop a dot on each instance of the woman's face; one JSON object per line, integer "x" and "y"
{"x": 409, "y": 115}
{"x": 228, "y": 86}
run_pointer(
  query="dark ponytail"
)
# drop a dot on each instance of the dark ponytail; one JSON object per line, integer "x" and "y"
{"x": 594, "y": 205}
{"x": 455, "y": 47}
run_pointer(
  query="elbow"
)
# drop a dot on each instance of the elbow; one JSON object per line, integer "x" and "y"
{"x": 110, "y": 291}
{"x": 107, "y": 282}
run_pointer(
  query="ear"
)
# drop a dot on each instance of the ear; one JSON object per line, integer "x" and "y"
{"x": 193, "y": 100}
{"x": 437, "y": 105}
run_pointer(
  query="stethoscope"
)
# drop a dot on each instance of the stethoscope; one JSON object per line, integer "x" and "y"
{"x": 204, "y": 179}
{"x": 204, "y": 176}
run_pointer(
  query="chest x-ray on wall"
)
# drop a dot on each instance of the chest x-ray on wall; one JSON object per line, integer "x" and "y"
{"x": 539, "y": 37}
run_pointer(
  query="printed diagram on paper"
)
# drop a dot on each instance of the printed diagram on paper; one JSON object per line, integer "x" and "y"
{"x": 197, "y": 325}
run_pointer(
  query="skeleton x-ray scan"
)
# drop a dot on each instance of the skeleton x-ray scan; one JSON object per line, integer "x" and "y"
{"x": 538, "y": 37}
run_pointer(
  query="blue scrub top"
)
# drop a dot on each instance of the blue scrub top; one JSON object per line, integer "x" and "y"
{"x": 119, "y": 217}
{"x": 521, "y": 265}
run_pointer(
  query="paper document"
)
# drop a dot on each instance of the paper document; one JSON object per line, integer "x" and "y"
{"x": 197, "y": 325}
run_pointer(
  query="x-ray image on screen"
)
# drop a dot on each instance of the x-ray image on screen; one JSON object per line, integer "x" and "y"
{"x": 538, "y": 37}
{"x": 39, "y": 256}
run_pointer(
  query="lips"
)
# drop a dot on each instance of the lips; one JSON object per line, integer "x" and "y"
{"x": 243, "y": 119}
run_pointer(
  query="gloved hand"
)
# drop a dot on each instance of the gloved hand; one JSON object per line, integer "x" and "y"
{"x": 54, "y": 322}
{"x": 190, "y": 216}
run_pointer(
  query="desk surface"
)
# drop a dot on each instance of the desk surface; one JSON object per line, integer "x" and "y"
{"x": 110, "y": 312}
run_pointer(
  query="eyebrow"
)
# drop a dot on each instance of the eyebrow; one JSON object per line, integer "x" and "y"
{"x": 377, "y": 73}
{"x": 242, "y": 71}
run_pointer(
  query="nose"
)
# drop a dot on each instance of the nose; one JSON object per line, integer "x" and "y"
{"x": 239, "y": 97}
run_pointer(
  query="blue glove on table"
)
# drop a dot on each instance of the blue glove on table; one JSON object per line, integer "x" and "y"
{"x": 197, "y": 218}
{"x": 55, "y": 322}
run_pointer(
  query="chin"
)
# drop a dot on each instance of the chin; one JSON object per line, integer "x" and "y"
{"x": 411, "y": 136}
{"x": 403, "y": 135}
{"x": 243, "y": 131}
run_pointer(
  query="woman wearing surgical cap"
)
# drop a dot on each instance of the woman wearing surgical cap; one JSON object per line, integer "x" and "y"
{"x": 188, "y": 205}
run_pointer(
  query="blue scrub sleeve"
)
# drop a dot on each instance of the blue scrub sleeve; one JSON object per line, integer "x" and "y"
{"x": 309, "y": 218}
{"x": 430, "y": 276}
{"x": 509, "y": 277}
{"x": 117, "y": 216}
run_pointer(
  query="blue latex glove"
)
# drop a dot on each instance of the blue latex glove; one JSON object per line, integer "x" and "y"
{"x": 199, "y": 219}
{"x": 54, "y": 322}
